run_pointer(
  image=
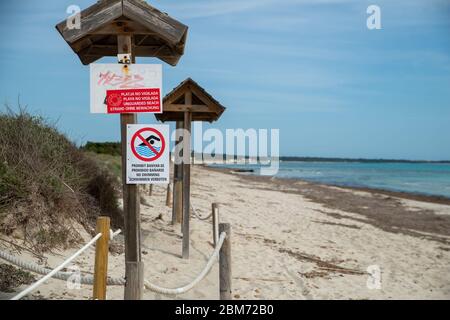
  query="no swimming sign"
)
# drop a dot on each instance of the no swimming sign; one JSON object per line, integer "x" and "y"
{"x": 147, "y": 154}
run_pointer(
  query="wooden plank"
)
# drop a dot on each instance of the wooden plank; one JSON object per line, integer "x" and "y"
{"x": 225, "y": 263}
{"x": 123, "y": 27}
{"x": 200, "y": 93}
{"x": 111, "y": 50}
{"x": 187, "y": 108}
{"x": 101, "y": 259}
{"x": 186, "y": 182}
{"x": 141, "y": 52}
{"x": 131, "y": 201}
{"x": 177, "y": 116}
{"x": 162, "y": 52}
{"x": 174, "y": 96}
{"x": 87, "y": 60}
{"x": 167, "y": 28}
{"x": 83, "y": 43}
{"x": 212, "y": 112}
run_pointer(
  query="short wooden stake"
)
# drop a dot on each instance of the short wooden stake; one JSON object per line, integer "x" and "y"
{"x": 178, "y": 200}
{"x": 225, "y": 263}
{"x": 215, "y": 223}
{"x": 101, "y": 259}
{"x": 169, "y": 196}
{"x": 150, "y": 190}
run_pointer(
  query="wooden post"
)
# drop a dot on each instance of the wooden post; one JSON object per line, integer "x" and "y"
{"x": 177, "y": 208}
{"x": 215, "y": 223}
{"x": 225, "y": 263}
{"x": 150, "y": 189}
{"x": 131, "y": 201}
{"x": 168, "y": 196}
{"x": 186, "y": 177}
{"x": 134, "y": 274}
{"x": 101, "y": 259}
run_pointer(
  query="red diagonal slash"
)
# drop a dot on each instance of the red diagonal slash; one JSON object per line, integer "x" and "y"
{"x": 148, "y": 144}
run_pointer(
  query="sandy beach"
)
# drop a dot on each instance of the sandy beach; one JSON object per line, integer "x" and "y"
{"x": 290, "y": 240}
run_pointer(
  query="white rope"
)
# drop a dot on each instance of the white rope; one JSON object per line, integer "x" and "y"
{"x": 200, "y": 277}
{"x": 84, "y": 279}
{"x": 112, "y": 234}
{"x": 88, "y": 279}
{"x": 55, "y": 271}
{"x": 198, "y": 217}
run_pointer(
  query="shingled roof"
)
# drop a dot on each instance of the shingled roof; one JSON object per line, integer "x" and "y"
{"x": 203, "y": 107}
{"x": 155, "y": 34}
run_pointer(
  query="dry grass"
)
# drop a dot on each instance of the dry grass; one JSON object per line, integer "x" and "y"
{"x": 47, "y": 184}
{"x": 11, "y": 278}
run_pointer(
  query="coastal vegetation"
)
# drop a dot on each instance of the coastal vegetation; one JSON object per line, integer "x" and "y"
{"x": 111, "y": 148}
{"x": 48, "y": 185}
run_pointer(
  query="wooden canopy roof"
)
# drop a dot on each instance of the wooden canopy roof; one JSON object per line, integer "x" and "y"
{"x": 155, "y": 34}
{"x": 190, "y": 97}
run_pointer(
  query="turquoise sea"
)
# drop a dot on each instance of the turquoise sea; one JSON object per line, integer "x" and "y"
{"x": 420, "y": 178}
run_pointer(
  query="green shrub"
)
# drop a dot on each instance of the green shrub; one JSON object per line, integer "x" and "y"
{"x": 111, "y": 148}
{"x": 47, "y": 184}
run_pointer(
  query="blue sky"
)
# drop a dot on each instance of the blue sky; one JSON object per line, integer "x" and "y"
{"x": 308, "y": 67}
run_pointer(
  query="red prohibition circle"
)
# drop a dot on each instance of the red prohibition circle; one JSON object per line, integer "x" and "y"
{"x": 158, "y": 154}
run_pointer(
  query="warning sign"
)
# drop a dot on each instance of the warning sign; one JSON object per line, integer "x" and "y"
{"x": 133, "y": 100}
{"x": 147, "y": 154}
{"x": 141, "y": 80}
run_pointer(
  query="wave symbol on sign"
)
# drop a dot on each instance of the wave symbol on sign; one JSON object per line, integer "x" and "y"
{"x": 146, "y": 152}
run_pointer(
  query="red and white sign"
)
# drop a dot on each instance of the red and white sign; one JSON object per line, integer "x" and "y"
{"x": 147, "y": 154}
{"x": 134, "y": 100}
{"x": 142, "y": 80}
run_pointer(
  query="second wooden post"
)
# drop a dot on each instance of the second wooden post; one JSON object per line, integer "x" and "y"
{"x": 225, "y": 263}
{"x": 101, "y": 259}
{"x": 215, "y": 223}
{"x": 186, "y": 177}
{"x": 177, "y": 203}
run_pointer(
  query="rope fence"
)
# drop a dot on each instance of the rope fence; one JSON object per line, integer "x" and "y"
{"x": 200, "y": 277}
{"x": 56, "y": 273}
{"x": 217, "y": 255}
{"x": 57, "y": 269}
{"x": 29, "y": 266}
{"x": 194, "y": 211}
